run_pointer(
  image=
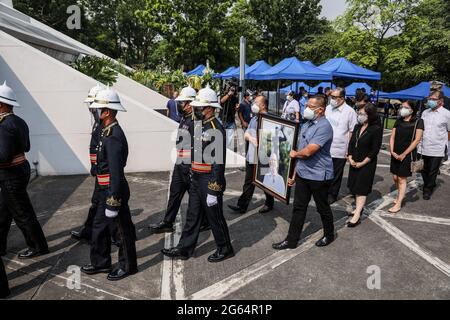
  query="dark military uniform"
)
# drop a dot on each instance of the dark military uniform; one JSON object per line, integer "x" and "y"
{"x": 14, "y": 178}
{"x": 181, "y": 176}
{"x": 208, "y": 177}
{"x": 113, "y": 194}
{"x": 86, "y": 232}
{"x": 4, "y": 288}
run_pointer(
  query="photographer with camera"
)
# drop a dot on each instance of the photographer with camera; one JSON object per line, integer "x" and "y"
{"x": 230, "y": 104}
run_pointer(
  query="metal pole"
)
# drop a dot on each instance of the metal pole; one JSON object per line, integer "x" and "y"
{"x": 243, "y": 54}
{"x": 278, "y": 98}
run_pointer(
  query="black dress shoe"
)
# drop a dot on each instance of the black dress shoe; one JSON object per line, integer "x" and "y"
{"x": 78, "y": 236}
{"x": 162, "y": 227}
{"x": 353, "y": 225}
{"x": 426, "y": 196}
{"x": 221, "y": 254}
{"x": 175, "y": 253}
{"x": 119, "y": 274}
{"x": 237, "y": 209}
{"x": 265, "y": 209}
{"x": 90, "y": 269}
{"x": 284, "y": 245}
{"x": 331, "y": 199}
{"x": 205, "y": 227}
{"x": 31, "y": 253}
{"x": 325, "y": 241}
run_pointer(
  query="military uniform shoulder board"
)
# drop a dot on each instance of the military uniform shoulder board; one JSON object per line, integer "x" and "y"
{"x": 2, "y": 117}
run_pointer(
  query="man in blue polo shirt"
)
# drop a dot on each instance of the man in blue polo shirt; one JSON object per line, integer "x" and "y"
{"x": 313, "y": 174}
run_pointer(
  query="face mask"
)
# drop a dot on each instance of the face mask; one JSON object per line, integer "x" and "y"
{"x": 432, "y": 104}
{"x": 334, "y": 103}
{"x": 198, "y": 113}
{"x": 255, "y": 108}
{"x": 362, "y": 118}
{"x": 405, "y": 112}
{"x": 309, "y": 114}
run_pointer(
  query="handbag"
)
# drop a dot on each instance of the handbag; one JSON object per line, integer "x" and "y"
{"x": 418, "y": 164}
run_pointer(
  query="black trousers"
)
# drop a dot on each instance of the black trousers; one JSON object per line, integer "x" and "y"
{"x": 304, "y": 189}
{"x": 15, "y": 205}
{"x": 249, "y": 189}
{"x": 338, "y": 167}
{"x": 86, "y": 232}
{"x": 180, "y": 184}
{"x": 430, "y": 173}
{"x": 101, "y": 236}
{"x": 196, "y": 212}
{"x": 4, "y": 288}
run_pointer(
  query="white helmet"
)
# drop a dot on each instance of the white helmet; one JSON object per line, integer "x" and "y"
{"x": 206, "y": 98}
{"x": 187, "y": 94}
{"x": 8, "y": 96}
{"x": 109, "y": 99}
{"x": 93, "y": 92}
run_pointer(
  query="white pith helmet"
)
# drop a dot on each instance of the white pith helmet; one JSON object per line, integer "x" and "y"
{"x": 187, "y": 94}
{"x": 93, "y": 92}
{"x": 206, "y": 98}
{"x": 109, "y": 99}
{"x": 8, "y": 96}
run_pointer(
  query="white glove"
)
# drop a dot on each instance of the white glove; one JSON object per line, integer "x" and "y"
{"x": 211, "y": 200}
{"x": 111, "y": 214}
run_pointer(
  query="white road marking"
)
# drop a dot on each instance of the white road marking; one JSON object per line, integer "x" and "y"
{"x": 240, "y": 279}
{"x": 166, "y": 270}
{"x": 416, "y": 217}
{"x": 408, "y": 242}
{"x": 60, "y": 277}
{"x": 60, "y": 212}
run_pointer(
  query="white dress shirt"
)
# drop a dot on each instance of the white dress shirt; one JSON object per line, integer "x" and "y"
{"x": 343, "y": 120}
{"x": 435, "y": 135}
{"x": 290, "y": 107}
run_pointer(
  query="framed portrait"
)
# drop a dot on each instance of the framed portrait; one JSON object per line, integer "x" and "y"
{"x": 276, "y": 139}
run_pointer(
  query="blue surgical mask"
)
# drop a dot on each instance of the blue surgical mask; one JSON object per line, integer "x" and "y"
{"x": 431, "y": 104}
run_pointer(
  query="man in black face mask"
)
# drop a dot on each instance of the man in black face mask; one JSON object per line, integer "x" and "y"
{"x": 181, "y": 176}
{"x": 86, "y": 232}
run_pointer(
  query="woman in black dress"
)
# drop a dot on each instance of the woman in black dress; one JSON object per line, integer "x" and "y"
{"x": 406, "y": 135}
{"x": 362, "y": 154}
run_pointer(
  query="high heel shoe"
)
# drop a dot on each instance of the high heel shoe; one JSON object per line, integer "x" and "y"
{"x": 354, "y": 225}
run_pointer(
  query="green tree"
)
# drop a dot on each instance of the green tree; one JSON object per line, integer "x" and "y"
{"x": 283, "y": 25}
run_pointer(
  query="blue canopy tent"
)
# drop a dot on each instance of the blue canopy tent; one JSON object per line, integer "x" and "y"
{"x": 342, "y": 68}
{"x": 324, "y": 85}
{"x": 232, "y": 72}
{"x": 418, "y": 92}
{"x": 293, "y": 69}
{"x": 198, "y": 71}
{"x": 310, "y": 63}
{"x": 446, "y": 91}
{"x": 258, "y": 67}
{"x": 227, "y": 71}
{"x": 295, "y": 86}
{"x": 351, "y": 89}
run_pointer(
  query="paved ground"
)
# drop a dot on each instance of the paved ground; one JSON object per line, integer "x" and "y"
{"x": 410, "y": 250}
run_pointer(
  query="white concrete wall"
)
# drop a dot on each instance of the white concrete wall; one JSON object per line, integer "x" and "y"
{"x": 51, "y": 95}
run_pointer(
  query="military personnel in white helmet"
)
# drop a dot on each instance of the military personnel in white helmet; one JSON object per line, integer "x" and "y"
{"x": 208, "y": 182}
{"x": 15, "y": 173}
{"x": 113, "y": 194}
{"x": 86, "y": 231}
{"x": 181, "y": 176}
